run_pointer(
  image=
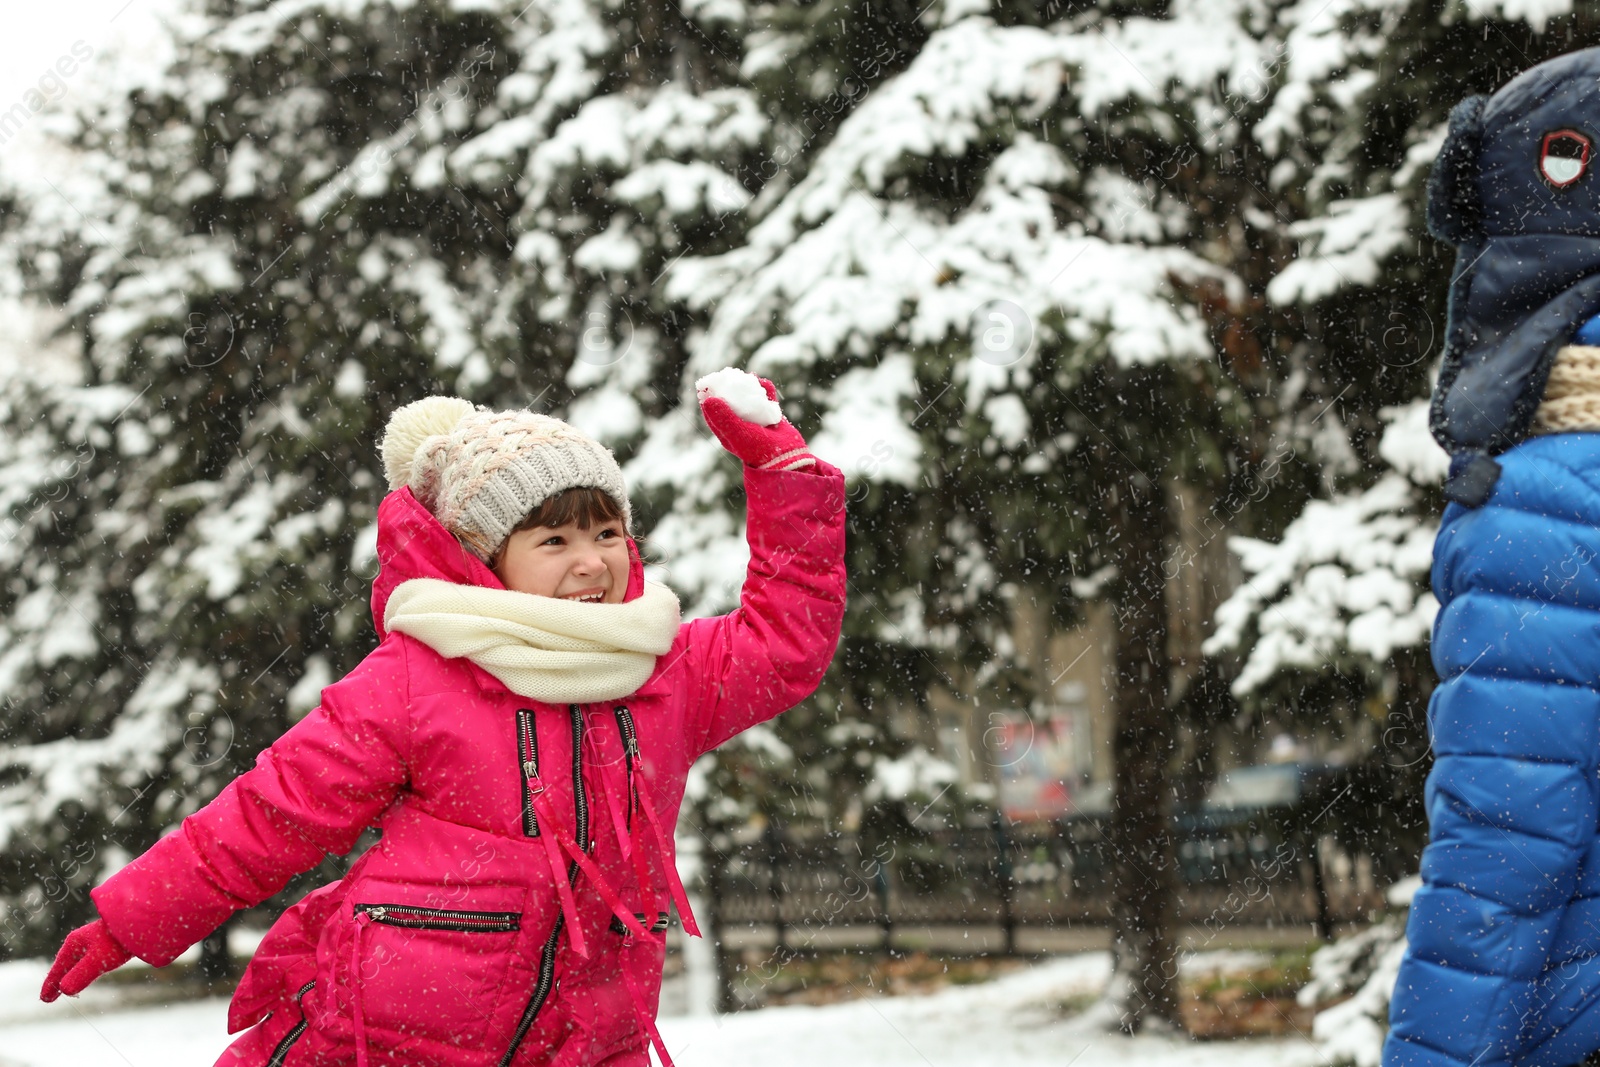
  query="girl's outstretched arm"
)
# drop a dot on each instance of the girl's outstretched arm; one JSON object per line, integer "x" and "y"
{"x": 771, "y": 652}
{"x": 310, "y": 794}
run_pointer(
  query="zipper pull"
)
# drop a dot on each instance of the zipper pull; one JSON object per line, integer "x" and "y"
{"x": 530, "y": 769}
{"x": 630, "y": 736}
{"x": 375, "y": 914}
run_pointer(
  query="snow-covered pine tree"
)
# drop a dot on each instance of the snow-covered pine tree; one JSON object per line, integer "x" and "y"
{"x": 320, "y": 211}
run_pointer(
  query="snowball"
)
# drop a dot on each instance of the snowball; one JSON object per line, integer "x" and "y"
{"x": 744, "y": 394}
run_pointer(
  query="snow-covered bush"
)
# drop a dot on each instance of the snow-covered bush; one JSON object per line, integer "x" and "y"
{"x": 1355, "y": 977}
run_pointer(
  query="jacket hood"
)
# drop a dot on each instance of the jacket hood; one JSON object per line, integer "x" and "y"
{"x": 1515, "y": 190}
{"x": 414, "y": 544}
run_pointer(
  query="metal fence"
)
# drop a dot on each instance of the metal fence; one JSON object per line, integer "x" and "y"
{"x": 1231, "y": 872}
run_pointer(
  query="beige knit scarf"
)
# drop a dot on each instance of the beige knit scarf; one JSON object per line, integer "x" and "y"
{"x": 1572, "y": 395}
{"x": 556, "y": 651}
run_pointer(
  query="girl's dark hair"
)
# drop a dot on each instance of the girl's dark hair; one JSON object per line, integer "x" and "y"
{"x": 585, "y": 506}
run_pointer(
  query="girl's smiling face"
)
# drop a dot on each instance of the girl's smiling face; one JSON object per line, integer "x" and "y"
{"x": 568, "y": 562}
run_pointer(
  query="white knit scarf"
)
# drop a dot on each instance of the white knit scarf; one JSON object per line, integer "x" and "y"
{"x": 1571, "y": 401}
{"x": 556, "y": 651}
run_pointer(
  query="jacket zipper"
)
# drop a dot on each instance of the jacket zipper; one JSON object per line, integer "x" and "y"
{"x": 630, "y": 753}
{"x": 547, "y": 958}
{"x": 580, "y": 798}
{"x": 528, "y": 756}
{"x": 442, "y": 918}
{"x": 281, "y": 1052}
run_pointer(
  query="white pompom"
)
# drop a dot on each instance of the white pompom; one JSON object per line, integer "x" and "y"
{"x": 413, "y": 424}
{"x": 743, "y": 393}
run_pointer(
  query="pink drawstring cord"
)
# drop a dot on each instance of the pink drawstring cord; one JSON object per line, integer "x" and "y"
{"x": 641, "y": 869}
{"x": 557, "y": 840}
{"x": 358, "y": 1014}
{"x": 645, "y": 1018}
{"x": 619, "y": 821}
{"x": 669, "y": 869}
{"x": 558, "y": 869}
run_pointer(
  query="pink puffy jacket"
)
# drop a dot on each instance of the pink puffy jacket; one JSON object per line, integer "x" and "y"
{"x": 477, "y": 931}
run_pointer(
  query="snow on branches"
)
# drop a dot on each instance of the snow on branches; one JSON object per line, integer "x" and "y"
{"x": 1348, "y": 579}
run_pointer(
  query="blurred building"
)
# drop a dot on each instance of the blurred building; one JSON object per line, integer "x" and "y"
{"x": 1054, "y": 757}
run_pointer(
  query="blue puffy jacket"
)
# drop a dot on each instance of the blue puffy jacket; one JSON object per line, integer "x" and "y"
{"x": 1504, "y": 958}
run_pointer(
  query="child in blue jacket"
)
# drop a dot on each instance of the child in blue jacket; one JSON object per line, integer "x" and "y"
{"x": 1503, "y": 964}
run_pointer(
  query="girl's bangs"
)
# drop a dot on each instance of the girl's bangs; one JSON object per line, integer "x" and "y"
{"x": 584, "y": 506}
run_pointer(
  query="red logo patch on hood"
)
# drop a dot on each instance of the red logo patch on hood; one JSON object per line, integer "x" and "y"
{"x": 1563, "y": 157}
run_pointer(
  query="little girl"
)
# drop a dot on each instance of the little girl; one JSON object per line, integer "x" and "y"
{"x": 521, "y": 736}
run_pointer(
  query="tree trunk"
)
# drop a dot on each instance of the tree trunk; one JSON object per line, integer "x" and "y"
{"x": 716, "y": 862}
{"x": 216, "y": 965}
{"x": 1143, "y": 864}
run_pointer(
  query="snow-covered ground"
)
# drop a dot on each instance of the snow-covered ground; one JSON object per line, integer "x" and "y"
{"x": 1011, "y": 1022}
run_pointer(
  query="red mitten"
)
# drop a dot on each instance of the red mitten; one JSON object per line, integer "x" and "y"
{"x": 88, "y": 952}
{"x": 757, "y": 433}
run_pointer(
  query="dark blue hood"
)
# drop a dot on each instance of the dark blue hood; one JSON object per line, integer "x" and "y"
{"x": 1527, "y": 256}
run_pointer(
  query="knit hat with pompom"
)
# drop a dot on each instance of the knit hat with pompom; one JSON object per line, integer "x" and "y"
{"x": 482, "y": 472}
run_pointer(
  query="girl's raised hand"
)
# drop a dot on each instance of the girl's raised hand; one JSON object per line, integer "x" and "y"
{"x": 88, "y": 952}
{"x": 742, "y": 411}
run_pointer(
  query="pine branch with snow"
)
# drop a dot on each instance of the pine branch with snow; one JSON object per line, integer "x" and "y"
{"x": 1347, "y": 582}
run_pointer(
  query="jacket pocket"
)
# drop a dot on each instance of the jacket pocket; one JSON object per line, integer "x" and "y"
{"x": 430, "y": 964}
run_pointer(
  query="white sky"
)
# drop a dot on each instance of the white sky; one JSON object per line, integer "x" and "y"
{"x": 39, "y": 32}
{"x": 119, "y": 33}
